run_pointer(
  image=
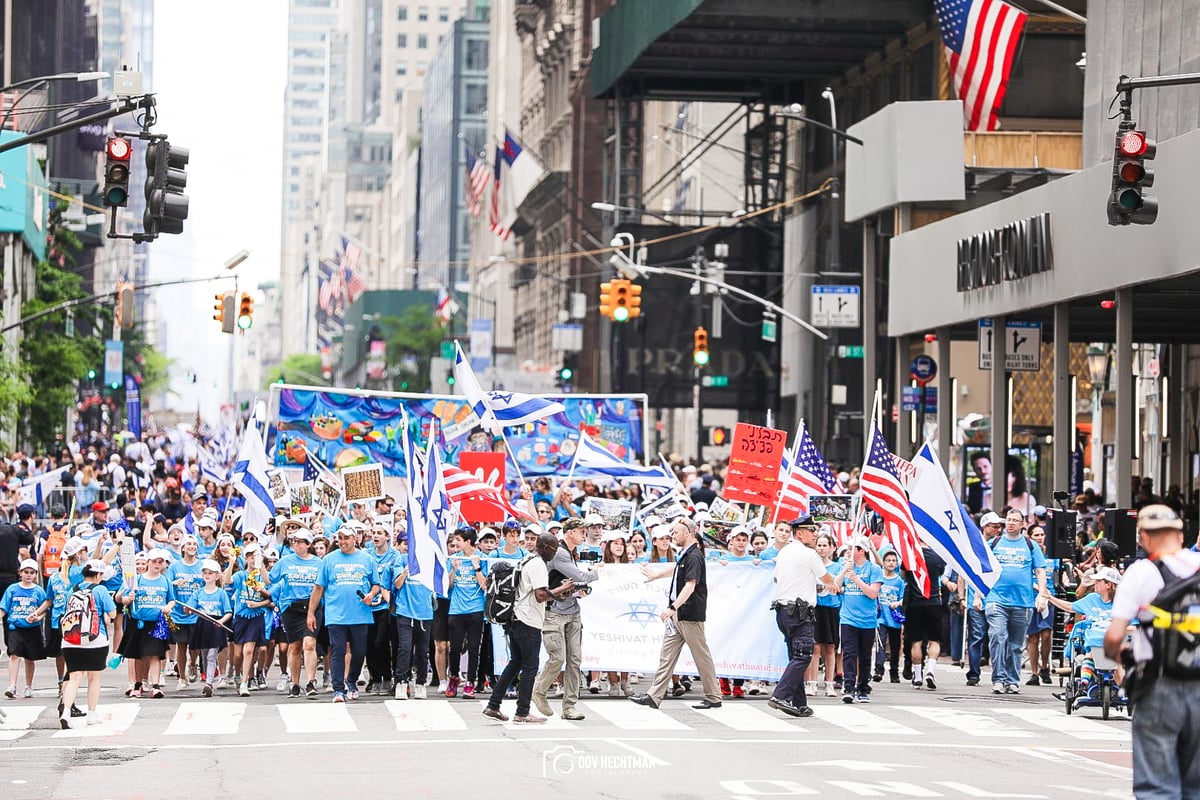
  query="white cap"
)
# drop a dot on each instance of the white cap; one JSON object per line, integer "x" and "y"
{"x": 210, "y": 565}
{"x": 660, "y": 531}
{"x": 29, "y": 563}
{"x": 73, "y": 546}
{"x": 84, "y": 528}
{"x": 532, "y": 527}
{"x": 99, "y": 567}
{"x": 615, "y": 533}
{"x": 554, "y": 524}
{"x": 1107, "y": 574}
{"x": 701, "y": 506}
{"x": 303, "y": 534}
{"x": 650, "y": 520}
{"x": 738, "y": 530}
{"x": 593, "y": 519}
{"x": 863, "y": 542}
{"x": 991, "y": 518}
{"x": 206, "y": 521}
{"x": 158, "y": 552}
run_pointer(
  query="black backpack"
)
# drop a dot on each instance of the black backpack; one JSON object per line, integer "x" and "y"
{"x": 504, "y": 578}
{"x": 1174, "y": 618}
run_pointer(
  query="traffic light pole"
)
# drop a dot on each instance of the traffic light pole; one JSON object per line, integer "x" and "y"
{"x": 125, "y": 106}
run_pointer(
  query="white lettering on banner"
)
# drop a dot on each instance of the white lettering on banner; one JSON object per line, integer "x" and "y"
{"x": 622, "y": 630}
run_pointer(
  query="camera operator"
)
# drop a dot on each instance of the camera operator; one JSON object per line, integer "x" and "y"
{"x": 797, "y": 571}
{"x": 562, "y": 632}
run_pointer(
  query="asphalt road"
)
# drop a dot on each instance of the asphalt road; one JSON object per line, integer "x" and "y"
{"x": 957, "y": 742}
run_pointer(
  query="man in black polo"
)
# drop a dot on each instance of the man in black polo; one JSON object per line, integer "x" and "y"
{"x": 687, "y": 607}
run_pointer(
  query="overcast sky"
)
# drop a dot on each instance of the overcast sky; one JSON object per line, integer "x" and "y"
{"x": 219, "y": 75}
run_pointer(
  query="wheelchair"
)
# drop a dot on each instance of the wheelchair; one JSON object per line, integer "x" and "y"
{"x": 1104, "y": 691}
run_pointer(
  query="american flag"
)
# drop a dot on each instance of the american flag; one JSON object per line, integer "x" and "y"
{"x": 477, "y": 181}
{"x": 462, "y": 485}
{"x": 351, "y": 275}
{"x": 803, "y": 474}
{"x": 981, "y": 39}
{"x": 329, "y": 285}
{"x": 882, "y": 490}
{"x": 495, "y": 223}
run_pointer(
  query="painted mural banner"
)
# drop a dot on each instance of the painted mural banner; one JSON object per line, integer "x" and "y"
{"x": 346, "y": 428}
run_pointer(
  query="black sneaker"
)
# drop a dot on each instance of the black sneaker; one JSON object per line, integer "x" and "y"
{"x": 972, "y": 681}
{"x": 787, "y": 707}
{"x": 294, "y": 691}
{"x": 370, "y": 687}
{"x": 1044, "y": 675}
{"x": 895, "y": 678}
{"x": 1033, "y": 681}
{"x": 929, "y": 681}
{"x": 878, "y": 676}
{"x": 311, "y": 689}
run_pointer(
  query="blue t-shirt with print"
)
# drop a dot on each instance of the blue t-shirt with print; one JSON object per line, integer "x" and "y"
{"x": 244, "y": 594}
{"x": 383, "y": 568}
{"x": 343, "y": 577}
{"x": 825, "y": 597}
{"x": 892, "y": 591}
{"x": 517, "y": 556}
{"x": 466, "y": 596}
{"x": 186, "y": 579}
{"x": 1018, "y": 558}
{"x": 411, "y": 600}
{"x": 215, "y": 603}
{"x": 858, "y": 610}
{"x": 19, "y": 602}
{"x": 150, "y": 595}
{"x": 58, "y": 589}
{"x": 293, "y": 579}
{"x": 1098, "y": 613}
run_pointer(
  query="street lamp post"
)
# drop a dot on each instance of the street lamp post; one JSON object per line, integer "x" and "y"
{"x": 1097, "y": 358}
{"x": 34, "y": 84}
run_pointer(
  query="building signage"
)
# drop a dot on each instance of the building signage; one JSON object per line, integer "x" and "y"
{"x": 1010, "y": 253}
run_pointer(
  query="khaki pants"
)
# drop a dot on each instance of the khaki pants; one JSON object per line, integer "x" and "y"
{"x": 562, "y": 636}
{"x": 691, "y": 634}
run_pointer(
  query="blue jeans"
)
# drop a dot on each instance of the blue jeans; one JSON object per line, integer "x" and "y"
{"x": 1166, "y": 742}
{"x": 976, "y": 633}
{"x": 412, "y": 648}
{"x": 1006, "y": 640}
{"x": 856, "y": 659}
{"x": 956, "y": 634}
{"x": 339, "y": 635}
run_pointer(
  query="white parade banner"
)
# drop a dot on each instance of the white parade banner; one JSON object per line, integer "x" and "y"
{"x": 623, "y": 632}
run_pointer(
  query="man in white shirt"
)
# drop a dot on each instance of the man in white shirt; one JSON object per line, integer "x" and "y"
{"x": 1166, "y": 737}
{"x": 797, "y": 570}
{"x": 525, "y": 631}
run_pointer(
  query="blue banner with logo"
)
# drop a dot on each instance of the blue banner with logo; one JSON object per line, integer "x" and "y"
{"x": 344, "y": 429}
{"x": 133, "y": 406}
{"x": 114, "y": 362}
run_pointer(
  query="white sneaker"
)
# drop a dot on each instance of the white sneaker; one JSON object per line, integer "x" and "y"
{"x": 555, "y": 692}
{"x": 829, "y": 690}
{"x": 594, "y": 687}
{"x": 615, "y": 691}
{"x": 997, "y": 688}
{"x": 633, "y": 678}
{"x": 401, "y": 691}
{"x": 220, "y": 682}
{"x": 94, "y": 719}
{"x": 27, "y": 692}
{"x": 810, "y": 687}
{"x": 180, "y": 685}
{"x": 283, "y": 684}
{"x": 443, "y": 686}
{"x": 244, "y": 690}
{"x": 421, "y": 693}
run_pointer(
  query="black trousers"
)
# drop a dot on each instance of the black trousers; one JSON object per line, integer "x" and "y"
{"x": 798, "y": 632}
{"x": 466, "y": 630}
{"x": 412, "y": 648}
{"x": 380, "y": 646}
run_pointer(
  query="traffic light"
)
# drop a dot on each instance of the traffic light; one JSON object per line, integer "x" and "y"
{"x": 116, "y": 171}
{"x": 565, "y": 377}
{"x": 635, "y": 300}
{"x": 91, "y": 374}
{"x": 620, "y": 299}
{"x": 245, "y": 317}
{"x": 166, "y": 204}
{"x": 450, "y": 378}
{"x": 718, "y": 436}
{"x": 1128, "y": 202}
{"x": 125, "y": 306}
{"x": 700, "y": 348}
{"x": 606, "y": 300}
{"x": 224, "y": 311}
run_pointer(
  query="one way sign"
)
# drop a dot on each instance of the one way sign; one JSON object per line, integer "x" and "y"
{"x": 1022, "y": 346}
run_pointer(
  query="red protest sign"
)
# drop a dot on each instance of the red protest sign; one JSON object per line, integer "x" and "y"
{"x": 489, "y": 468}
{"x": 754, "y": 461}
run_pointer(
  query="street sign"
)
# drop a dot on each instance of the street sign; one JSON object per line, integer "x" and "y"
{"x": 910, "y": 399}
{"x": 770, "y": 327}
{"x": 1022, "y": 346}
{"x": 1153, "y": 368}
{"x": 448, "y": 351}
{"x": 566, "y": 336}
{"x": 714, "y": 381}
{"x": 923, "y": 369}
{"x": 850, "y": 351}
{"x": 836, "y": 306}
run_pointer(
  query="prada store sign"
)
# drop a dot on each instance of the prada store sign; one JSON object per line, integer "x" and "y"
{"x": 1010, "y": 253}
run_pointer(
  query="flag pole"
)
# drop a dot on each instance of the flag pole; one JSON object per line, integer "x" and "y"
{"x": 791, "y": 464}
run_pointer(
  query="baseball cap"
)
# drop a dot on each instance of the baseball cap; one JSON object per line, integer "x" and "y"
{"x": 148, "y": 505}
{"x": 615, "y": 533}
{"x": 84, "y": 529}
{"x": 210, "y": 565}
{"x": 99, "y": 505}
{"x": 25, "y": 511}
{"x": 157, "y": 552}
{"x": 661, "y": 531}
{"x": 73, "y": 546}
{"x": 554, "y": 525}
{"x": 303, "y": 534}
{"x": 1107, "y": 574}
{"x": 1158, "y": 517}
{"x": 532, "y": 527}
{"x": 738, "y": 530}
{"x": 96, "y": 567}
{"x": 573, "y": 523}
{"x": 861, "y": 541}
{"x": 593, "y": 519}
{"x": 206, "y": 522}
{"x": 991, "y": 518}
{"x": 29, "y": 563}
{"x": 485, "y": 532}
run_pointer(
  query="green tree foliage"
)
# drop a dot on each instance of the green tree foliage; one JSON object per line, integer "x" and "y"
{"x": 299, "y": 368}
{"x": 413, "y": 339}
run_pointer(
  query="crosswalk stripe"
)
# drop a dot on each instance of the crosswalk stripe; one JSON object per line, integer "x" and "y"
{"x": 968, "y": 722}
{"x": 17, "y": 721}
{"x": 317, "y": 718}
{"x": 415, "y": 716}
{"x": 742, "y": 717}
{"x": 633, "y": 717}
{"x": 206, "y": 718}
{"x": 1074, "y": 725}
{"x": 116, "y": 719}
{"x": 856, "y": 720}
{"x": 509, "y": 708}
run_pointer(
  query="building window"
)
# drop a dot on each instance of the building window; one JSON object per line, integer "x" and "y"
{"x": 401, "y": 68}
{"x": 422, "y": 13}
{"x": 402, "y": 13}
{"x": 402, "y": 40}
{"x": 477, "y": 54}
{"x": 443, "y": 14}
{"x": 422, "y": 41}
{"x": 475, "y": 98}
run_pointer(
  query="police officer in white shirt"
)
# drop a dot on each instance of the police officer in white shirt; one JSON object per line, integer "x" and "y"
{"x": 797, "y": 571}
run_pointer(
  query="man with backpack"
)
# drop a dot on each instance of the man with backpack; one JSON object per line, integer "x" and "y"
{"x": 1011, "y": 602}
{"x": 1166, "y": 687}
{"x": 523, "y": 621}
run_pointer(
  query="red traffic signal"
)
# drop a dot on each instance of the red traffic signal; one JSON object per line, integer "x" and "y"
{"x": 1128, "y": 202}
{"x": 117, "y": 151}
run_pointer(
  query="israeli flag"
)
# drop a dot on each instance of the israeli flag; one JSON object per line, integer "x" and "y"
{"x": 592, "y": 459}
{"x": 514, "y": 408}
{"x": 476, "y": 399}
{"x": 250, "y": 478}
{"x": 944, "y": 525}
{"x": 429, "y": 516}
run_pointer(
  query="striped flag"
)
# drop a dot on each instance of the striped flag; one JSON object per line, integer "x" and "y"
{"x": 250, "y": 478}
{"x": 499, "y": 220}
{"x": 514, "y": 408}
{"x": 981, "y": 39}
{"x": 593, "y": 459}
{"x": 802, "y": 474}
{"x": 882, "y": 491}
{"x": 477, "y": 182}
{"x": 464, "y": 376}
{"x": 462, "y": 485}
{"x": 428, "y": 517}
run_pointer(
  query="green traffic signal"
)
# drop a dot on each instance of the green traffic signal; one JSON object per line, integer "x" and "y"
{"x": 91, "y": 374}
{"x": 114, "y": 386}
{"x": 565, "y": 374}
